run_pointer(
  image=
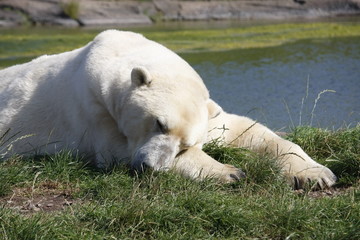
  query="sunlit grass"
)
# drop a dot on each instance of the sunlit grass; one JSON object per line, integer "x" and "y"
{"x": 120, "y": 205}
{"x": 339, "y": 150}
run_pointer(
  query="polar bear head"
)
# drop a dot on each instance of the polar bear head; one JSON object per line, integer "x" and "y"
{"x": 164, "y": 115}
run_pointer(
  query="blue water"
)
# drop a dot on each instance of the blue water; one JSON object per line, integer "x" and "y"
{"x": 278, "y": 86}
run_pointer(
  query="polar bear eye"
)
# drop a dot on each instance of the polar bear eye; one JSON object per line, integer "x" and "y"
{"x": 161, "y": 126}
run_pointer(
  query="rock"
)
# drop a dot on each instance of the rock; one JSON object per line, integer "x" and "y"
{"x": 8, "y": 23}
{"x": 57, "y": 21}
{"x": 37, "y": 12}
{"x": 123, "y": 21}
{"x": 255, "y": 9}
{"x": 104, "y": 13}
{"x": 169, "y": 9}
{"x": 65, "y": 22}
{"x": 11, "y": 17}
{"x": 94, "y": 13}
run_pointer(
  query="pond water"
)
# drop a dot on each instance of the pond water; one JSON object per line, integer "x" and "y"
{"x": 278, "y": 86}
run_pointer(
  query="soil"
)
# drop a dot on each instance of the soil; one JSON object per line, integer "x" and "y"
{"x": 331, "y": 192}
{"x": 46, "y": 198}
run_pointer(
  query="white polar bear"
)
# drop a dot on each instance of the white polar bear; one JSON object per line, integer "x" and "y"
{"x": 124, "y": 98}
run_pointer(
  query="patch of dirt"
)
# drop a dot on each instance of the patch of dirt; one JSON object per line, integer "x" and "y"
{"x": 46, "y": 198}
{"x": 331, "y": 192}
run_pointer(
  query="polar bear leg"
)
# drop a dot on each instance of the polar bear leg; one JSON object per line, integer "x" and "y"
{"x": 296, "y": 165}
{"x": 196, "y": 164}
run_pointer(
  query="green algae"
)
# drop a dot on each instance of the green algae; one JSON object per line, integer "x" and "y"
{"x": 20, "y": 45}
{"x": 251, "y": 37}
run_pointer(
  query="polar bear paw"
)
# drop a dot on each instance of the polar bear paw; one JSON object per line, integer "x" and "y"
{"x": 231, "y": 174}
{"x": 315, "y": 177}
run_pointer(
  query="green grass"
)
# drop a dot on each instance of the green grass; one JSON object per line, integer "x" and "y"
{"x": 121, "y": 205}
{"x": 339, "y": 150}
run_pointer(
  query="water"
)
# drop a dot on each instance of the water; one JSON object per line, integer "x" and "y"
{"x": 278, "y": 86}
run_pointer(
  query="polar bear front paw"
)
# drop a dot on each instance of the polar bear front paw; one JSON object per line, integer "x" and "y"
{"x": 231, "y": 174}
{"x": 315, "y": 177}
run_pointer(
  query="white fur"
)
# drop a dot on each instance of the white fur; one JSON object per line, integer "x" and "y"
{"x": 124, "y": 98}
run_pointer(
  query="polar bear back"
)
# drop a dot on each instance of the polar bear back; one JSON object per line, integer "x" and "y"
{"x": 127, "y": 50}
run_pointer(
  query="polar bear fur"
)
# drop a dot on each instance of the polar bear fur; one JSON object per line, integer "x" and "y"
{"x": 124, "y": 98}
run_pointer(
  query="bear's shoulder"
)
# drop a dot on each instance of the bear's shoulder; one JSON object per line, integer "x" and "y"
{"x": 111, "y": 36}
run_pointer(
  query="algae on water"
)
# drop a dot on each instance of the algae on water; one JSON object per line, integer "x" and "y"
{"x": 20, "y": 45}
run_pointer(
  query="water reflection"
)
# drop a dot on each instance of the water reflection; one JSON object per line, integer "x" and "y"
{"x": 270, "y": 84}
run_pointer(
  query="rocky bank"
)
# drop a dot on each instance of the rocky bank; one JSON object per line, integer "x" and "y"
{"x": 96, "y": 13}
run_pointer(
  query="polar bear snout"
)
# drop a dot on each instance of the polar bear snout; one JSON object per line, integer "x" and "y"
{"x": 157, "y": 153}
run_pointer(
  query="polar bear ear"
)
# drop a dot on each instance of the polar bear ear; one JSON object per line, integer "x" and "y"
{"x": 140, "y": 76}
{"x": 213, "y": 108}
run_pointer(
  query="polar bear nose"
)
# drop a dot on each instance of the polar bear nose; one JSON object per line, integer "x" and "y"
{"x": 156, "y": 158}
{"x": 157, "y": 153}
{"x": 138, "y": 164}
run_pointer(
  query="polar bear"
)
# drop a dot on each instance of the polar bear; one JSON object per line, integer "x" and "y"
{"x": 125, "y": 99}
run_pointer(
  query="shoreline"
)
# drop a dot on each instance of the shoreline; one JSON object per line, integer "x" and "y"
{"x": 106, "y": 13}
